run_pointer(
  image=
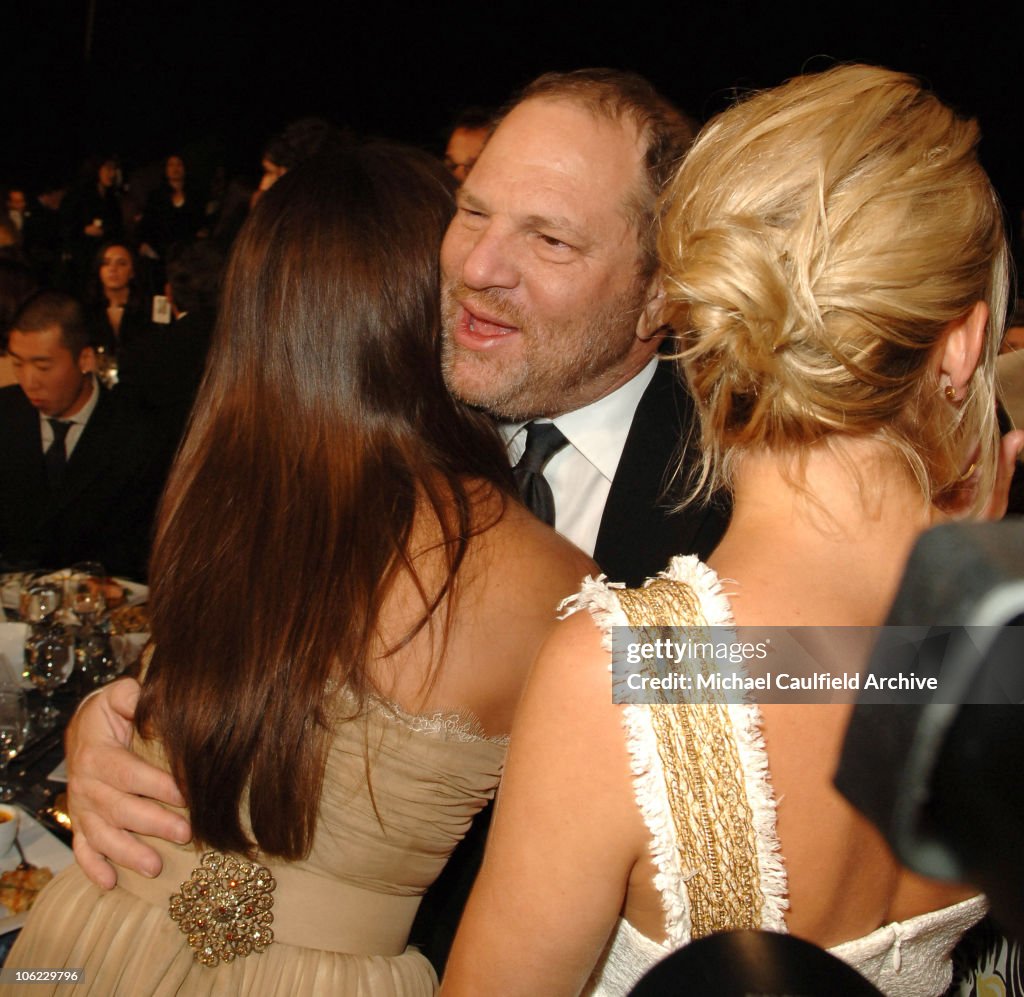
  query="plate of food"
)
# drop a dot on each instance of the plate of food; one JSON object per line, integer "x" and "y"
{"x": 118, "y": 592}
{"x": 19, "y": 888}
{"x": 10, "y": 589}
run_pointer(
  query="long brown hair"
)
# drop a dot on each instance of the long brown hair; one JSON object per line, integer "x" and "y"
{"x": 321, "y": 427}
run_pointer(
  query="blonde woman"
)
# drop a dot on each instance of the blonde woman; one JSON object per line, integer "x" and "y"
{"x": 835, "y": 268}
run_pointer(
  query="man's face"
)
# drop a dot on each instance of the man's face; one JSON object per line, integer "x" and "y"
{"x": 175, "y": 169}
{"x": 52, "y": 198}
{"x": 463, "y": 150}
{"x": 541, "y": 285}
{"x": 108, "y": 174}
{"x": 54, "y": 381}
{"x": 16, "y": 200}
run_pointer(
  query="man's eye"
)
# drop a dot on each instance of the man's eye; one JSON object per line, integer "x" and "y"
{"x": 550, "y": 240}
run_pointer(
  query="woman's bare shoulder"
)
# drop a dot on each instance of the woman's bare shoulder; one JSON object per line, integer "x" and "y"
{"x": 534, "y": 557}
{"x": 514, "y": 574}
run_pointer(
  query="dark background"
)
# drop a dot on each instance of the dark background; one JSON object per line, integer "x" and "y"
{"x": 216, "y": 79}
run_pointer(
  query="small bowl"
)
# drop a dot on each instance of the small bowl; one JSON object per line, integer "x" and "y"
{"x": 10, "y": 817}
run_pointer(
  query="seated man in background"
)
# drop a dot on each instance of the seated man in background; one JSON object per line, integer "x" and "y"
{"x": 80, "y": 470}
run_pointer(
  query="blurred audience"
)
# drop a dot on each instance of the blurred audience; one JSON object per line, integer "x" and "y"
{"x": 10, "y": 243}
{"x": 467, "y": 137}
{"x": 173, "y": 214}
{"x": 16, "y": 207}
{"x": 92, "y": 214}
{"x": 300, "y": 141}
{"x": 17, "y": 282}
{"x": 160, "y": 370}
{"x": 41, "y": 234}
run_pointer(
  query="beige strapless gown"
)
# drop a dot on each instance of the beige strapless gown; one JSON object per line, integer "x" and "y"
{"x": 341, "y": 916}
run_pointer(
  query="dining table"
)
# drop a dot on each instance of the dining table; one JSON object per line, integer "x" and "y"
{"x": 37, "y": 773}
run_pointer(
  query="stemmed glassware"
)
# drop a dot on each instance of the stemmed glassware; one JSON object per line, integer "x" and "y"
{"x": 41, "y": 596}
{"x": 14, "y": 724}
{"x": 49, "y": 648}
{"x": 85, "y": 588}
{"x": 93, "y": 652}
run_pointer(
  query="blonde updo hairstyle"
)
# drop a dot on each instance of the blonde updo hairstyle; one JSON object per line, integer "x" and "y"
{"x": 817, "y": 242}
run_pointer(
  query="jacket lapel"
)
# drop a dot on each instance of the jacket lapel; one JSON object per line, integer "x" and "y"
{"x": 639, "y": 531}
{"x": 89, "y": 459}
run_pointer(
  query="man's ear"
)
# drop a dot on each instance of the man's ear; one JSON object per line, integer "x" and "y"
{"x": 960, "y": 349}
{"x": 652, "y": 319}
{"x": 87, "y": 360}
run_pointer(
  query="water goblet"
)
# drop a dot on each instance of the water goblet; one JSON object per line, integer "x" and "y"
{"x": 85, "y": 591}
{"x": 94, "y": 656}
{"x": 41, "y": 597}
{"x": 96, "y": 662}
{"x": 106, "y": 367}
{"x": 49, "y": 660}
{"x": 14, "y": 724}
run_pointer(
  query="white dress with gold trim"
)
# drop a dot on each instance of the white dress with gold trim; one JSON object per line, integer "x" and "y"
{"x": 700, "y": 774}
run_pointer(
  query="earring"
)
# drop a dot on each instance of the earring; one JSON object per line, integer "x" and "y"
{"x": 950, "y": 392}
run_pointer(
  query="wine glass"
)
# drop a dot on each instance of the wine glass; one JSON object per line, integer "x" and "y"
{"x": 49, "y": 660}
{"x": 106, "y": 367}
{"x": 94, "y": 655}
{"x": 41, "y": 596}
{"x": 85, "y": 591}
{"x": 13, "y": 733}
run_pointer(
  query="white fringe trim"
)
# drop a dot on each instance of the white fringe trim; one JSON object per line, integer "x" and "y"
{"x": 649, "y": 791}
{"x": 600, "y": 598}
{"x": 597, "y": 595}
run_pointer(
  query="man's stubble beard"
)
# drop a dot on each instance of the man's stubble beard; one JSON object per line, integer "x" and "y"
{"x": 547, "y": 377}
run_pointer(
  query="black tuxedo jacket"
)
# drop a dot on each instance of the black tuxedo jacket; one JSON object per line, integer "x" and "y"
{"x": 640, "y": 531}
{"x": 104, "y": 508}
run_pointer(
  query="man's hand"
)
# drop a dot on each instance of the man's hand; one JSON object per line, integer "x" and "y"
{"x": 106, "y": 789}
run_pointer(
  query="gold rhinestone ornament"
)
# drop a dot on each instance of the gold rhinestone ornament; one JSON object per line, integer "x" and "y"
{"x": 224, "y": 908}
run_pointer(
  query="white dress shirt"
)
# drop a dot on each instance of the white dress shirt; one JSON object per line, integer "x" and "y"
{"x": 78, "y": 422}
{"x": 580, "y": 475}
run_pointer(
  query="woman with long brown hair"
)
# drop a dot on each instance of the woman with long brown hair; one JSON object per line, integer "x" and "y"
{"x": 118, "y": 310}
{"x": 345, "y": 604}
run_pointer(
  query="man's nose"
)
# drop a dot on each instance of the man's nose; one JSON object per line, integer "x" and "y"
{"x": 491, "y": 261}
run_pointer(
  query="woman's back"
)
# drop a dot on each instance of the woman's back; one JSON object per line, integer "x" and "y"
{"x": 515, "y": 573}
{"x": 825, "y": 554}
{"x": 345, "y": 603}
{"x": 406, "y": 771}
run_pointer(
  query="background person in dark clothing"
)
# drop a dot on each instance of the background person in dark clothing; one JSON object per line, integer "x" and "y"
{"x": 80, "y": 470}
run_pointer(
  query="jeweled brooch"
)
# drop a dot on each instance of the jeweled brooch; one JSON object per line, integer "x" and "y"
{"x": 224, "y": 908}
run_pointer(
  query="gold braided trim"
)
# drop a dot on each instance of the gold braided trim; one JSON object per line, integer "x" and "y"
{"x": 704, "y": 780}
